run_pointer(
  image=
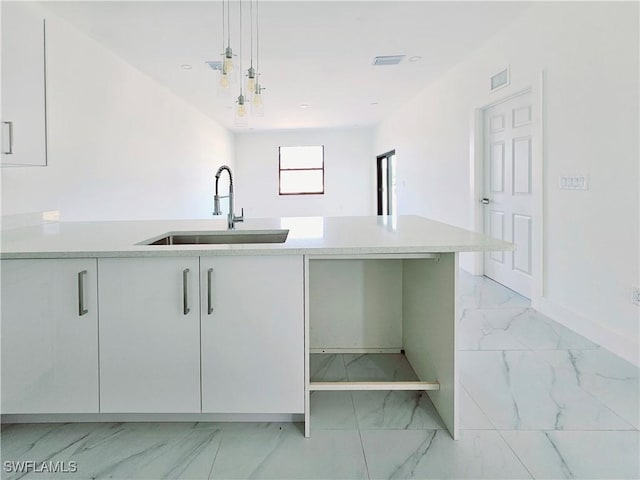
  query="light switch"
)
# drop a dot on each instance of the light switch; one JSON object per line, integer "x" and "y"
{"x": 574, "y": 182}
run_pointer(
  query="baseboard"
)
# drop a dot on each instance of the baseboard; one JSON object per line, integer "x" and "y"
{"x": 149, "y": 417}
{"x": 623, "y": 346}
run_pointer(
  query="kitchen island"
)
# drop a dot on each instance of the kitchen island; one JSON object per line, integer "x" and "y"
{"x": 133, "y": 331}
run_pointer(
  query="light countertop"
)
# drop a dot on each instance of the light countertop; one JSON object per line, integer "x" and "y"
{"x": 307, "y": 235}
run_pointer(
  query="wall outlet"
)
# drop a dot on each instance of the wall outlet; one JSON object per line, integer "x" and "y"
{"x": 635, "y": 295}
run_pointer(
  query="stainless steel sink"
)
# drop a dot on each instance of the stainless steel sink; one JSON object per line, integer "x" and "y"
{"x": 219, "y": 237}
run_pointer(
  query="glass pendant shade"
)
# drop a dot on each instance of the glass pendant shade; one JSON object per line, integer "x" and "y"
{"x": 224, "y": 79}
{"x": 251, "y": 82}
{"x": 241, "y": 112}
{"x": 257, "y": 103}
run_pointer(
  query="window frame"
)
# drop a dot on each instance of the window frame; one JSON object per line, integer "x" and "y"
{"x": 280, "y": 170}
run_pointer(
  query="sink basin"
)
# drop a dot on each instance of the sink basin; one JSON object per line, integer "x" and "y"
{"x": 219, "y": 237}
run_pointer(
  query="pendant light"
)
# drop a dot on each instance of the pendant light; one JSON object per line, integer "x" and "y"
{"x": 257, "y": 102}
{"x": 224, "y": 75}
{"x": 251, "y": 73}
{"x": 241, "y": 106}
{"x": 227, "y": 63}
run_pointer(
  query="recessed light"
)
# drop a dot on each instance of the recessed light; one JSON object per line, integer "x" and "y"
{"x": 303, "y": 105}
{"x": 186, "y": 66}
{"x": 415, "y": 59}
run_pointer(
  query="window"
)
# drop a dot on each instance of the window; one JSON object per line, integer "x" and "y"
{"x": 301, "y": 170}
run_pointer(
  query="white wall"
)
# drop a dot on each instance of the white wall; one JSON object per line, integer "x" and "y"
{"x": 349, "y": 174}
{"x": 121, "y": 146}
{"x": 589, "y": 52}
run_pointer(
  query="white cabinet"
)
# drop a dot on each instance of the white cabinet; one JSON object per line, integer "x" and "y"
{"x": 23, "y": 85}
{"x": 149, "y": 335}
{"x": 49, "y": 336}
{"x": 252, "y": 334}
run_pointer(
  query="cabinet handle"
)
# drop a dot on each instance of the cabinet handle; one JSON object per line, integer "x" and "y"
{"x": 81, "y": 309}
{"x": 185, "y": 292}
{"x": 10, "y": 151}
{"x": 209, "y": 281}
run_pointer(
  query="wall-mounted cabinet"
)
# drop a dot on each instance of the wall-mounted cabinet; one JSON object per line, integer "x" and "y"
{"x": 24, "y": 123}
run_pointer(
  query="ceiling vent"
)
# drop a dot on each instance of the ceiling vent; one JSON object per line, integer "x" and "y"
{"x": 215, "y": 65}
{"x": 388, "y": 60}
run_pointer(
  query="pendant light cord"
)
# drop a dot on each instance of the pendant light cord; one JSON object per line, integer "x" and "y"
{"x": 240, "y": 66}
{"x": 223, "y": 30}
{"x": 257, "y": 44}
{"x": 228, "y": 23}
{"x": 251, "y": 28}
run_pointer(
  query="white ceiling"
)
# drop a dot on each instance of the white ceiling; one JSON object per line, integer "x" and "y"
{"x": 317, "y": 53}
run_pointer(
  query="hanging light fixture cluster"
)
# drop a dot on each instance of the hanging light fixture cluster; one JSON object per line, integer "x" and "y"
{"x": 250, "y": 97}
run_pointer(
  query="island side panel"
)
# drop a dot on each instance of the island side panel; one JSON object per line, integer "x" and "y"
{"x": 429, "y": 329}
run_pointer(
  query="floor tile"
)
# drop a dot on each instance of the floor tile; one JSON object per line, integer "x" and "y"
{"x": 578, "y": 454}
{"x": 482, "y": 292}
{"x": 539, "y": 332}
{"x": 427, "y": 454}
{"x": 279, "y": 451}
{"x": 161, "y": 450}
{"x": 378, "y": 367}
{"x": 470, "y": 417}
{"x": 519, "y": 390}
{"x": 489, "y": 330}
{"x": 515, "y": 329}
{"x": 609, "y": 378}
{"x": 332, "y": 410}
{"x": 325, "y": 367}
{"x": 396, "y": 410}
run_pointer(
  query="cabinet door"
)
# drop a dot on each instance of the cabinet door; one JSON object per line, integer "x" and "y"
{"x": 253, "y": 334}
{"x": 23, "y": 85}
{"x": 149, "y": 341}
{"x": 49, "y": 336}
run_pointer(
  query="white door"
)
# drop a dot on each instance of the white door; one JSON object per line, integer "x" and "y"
{"x": 508, "y": 189}
{"x": 49, "y": 336}
{"x": 149, "y": 335}
{"x": 252, "y": 334}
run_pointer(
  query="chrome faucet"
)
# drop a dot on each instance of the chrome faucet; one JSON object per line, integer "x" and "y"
{"x": 231, "y": 218}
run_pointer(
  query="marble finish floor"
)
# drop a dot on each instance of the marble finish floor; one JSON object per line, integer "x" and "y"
{"x": 536, "y": 401}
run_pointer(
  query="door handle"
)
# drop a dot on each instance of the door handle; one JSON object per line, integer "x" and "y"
{"x": 10, "y": 151}
{"x": 209, "y": 281}
{"x": 485, "y": 201}
{"x": 185, "y": 292}
{"x": 81, "y": 307}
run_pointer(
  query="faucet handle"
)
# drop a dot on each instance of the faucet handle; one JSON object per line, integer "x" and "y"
{"x": 241, "y": 217}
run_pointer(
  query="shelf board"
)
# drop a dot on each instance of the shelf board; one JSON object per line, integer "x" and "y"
{"x": 337, "y": 386}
